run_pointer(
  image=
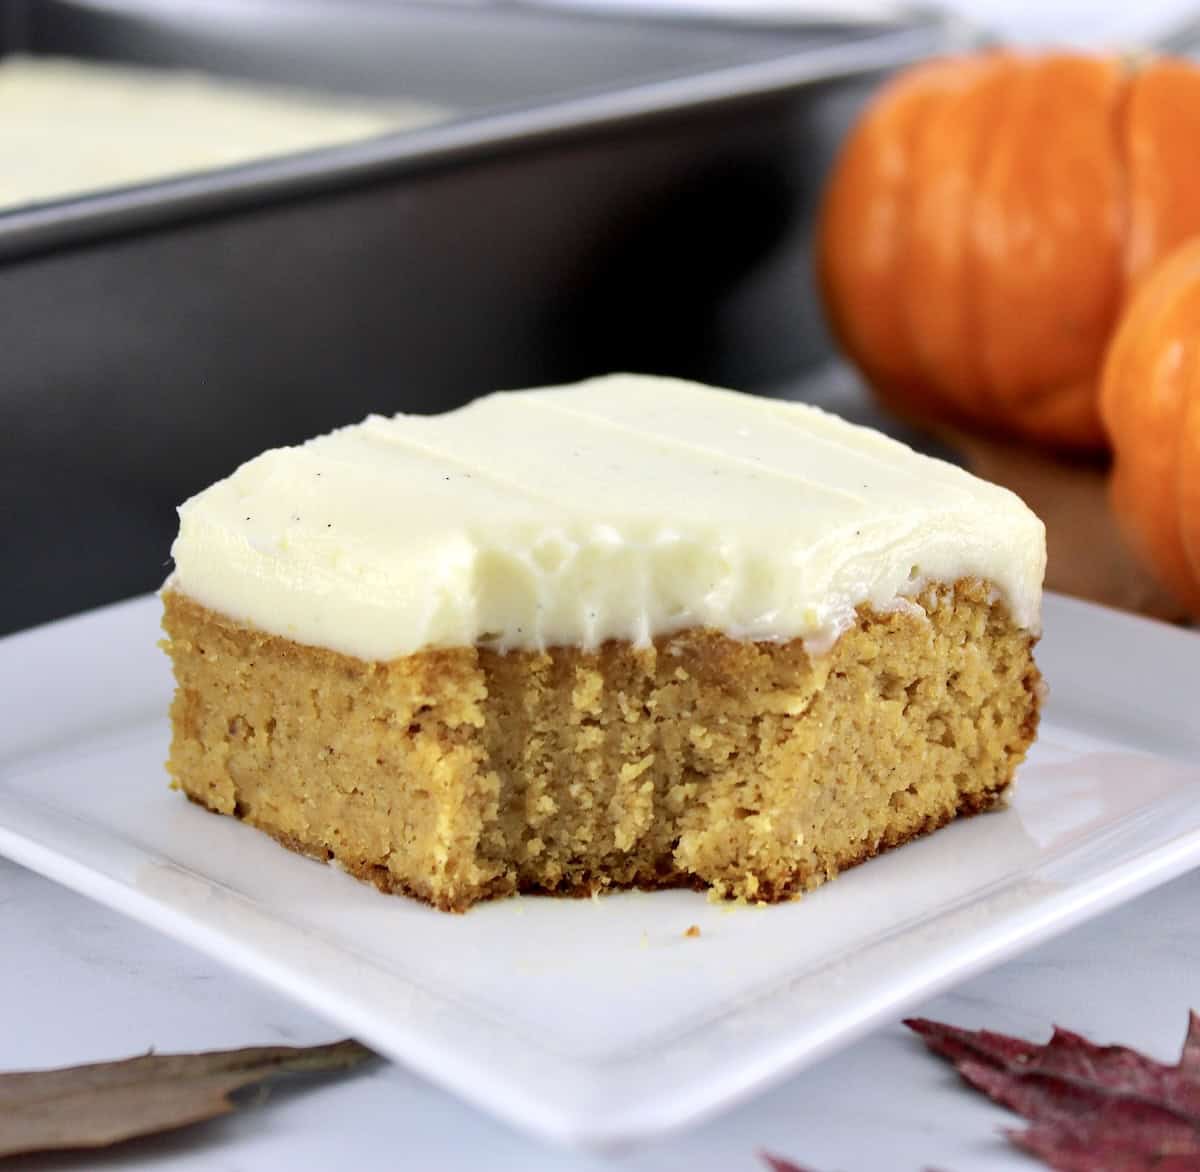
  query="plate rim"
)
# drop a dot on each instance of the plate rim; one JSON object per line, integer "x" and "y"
{"x": 613, "y": 1121}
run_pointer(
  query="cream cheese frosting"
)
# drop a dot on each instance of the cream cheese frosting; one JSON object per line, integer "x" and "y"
{"x": 625, "y": 507}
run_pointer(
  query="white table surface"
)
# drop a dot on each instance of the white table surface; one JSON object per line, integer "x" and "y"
{"x": 81, "y": 983}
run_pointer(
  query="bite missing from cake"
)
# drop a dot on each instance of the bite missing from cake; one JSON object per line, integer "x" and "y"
{"x": 634, "y": 632}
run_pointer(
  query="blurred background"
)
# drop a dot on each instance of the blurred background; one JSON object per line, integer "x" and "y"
{"x": 230, "y": 225}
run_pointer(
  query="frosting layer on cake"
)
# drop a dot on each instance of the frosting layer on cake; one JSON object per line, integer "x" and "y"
{"x": 624, "y": 507}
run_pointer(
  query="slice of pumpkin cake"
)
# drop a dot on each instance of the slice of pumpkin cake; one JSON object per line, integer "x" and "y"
{"x": 634, "y": 632}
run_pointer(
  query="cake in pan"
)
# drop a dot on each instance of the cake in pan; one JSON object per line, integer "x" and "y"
{"x": 630, "y": 633}
{"x": 75, "y": 127}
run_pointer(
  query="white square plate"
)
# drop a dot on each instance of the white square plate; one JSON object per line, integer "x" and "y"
{"x": 598, "y": 1022}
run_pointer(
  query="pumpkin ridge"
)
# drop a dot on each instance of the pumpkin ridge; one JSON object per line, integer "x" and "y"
{"x": 866, "y": 201}
{"x": 1174, "y": 558}
{"x": 1051, "y": 295}
{"x": 921, "y": 390}
{"x": 1151, "y": 374}
{"x": 1188, "y": 484}
{"x": 987, "y": 219}
{"x": 1120, "y": 115}
{"x": 950, "y": 146}
{"x": 983, "y": 407}
{"x": 1163, "y": 125}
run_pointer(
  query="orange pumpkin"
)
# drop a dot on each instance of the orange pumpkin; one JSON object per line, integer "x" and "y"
{"x": 986, "y": 221}
{"x": 1150, "y": 399}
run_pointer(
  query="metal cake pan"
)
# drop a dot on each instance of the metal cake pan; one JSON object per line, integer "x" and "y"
{"x": 613, "y": 194}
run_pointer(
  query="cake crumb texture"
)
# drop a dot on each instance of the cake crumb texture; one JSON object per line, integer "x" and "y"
{"x": 752, "y": 769}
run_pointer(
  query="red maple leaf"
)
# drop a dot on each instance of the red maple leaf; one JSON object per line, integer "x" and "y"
{"x": 1093, "y": 1108}
{"x": 779, "y": 1164}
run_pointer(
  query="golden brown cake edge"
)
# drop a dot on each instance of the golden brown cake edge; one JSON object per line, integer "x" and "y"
{"x": 459, "y": 679}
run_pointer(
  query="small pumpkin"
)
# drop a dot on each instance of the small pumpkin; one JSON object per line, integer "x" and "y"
{"x": 986, "y": 221}
{"x": 1150, "y": 399}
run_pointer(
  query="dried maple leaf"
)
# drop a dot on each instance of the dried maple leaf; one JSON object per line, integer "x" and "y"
{"x": 103, "y": 1103}
{"x": 1120, "y": 1136}
{"x": 1093, "y": 1108}
{"x": 779, "y": 1164}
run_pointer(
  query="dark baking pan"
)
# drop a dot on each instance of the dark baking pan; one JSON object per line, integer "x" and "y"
{"x": 613, "y": 194}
